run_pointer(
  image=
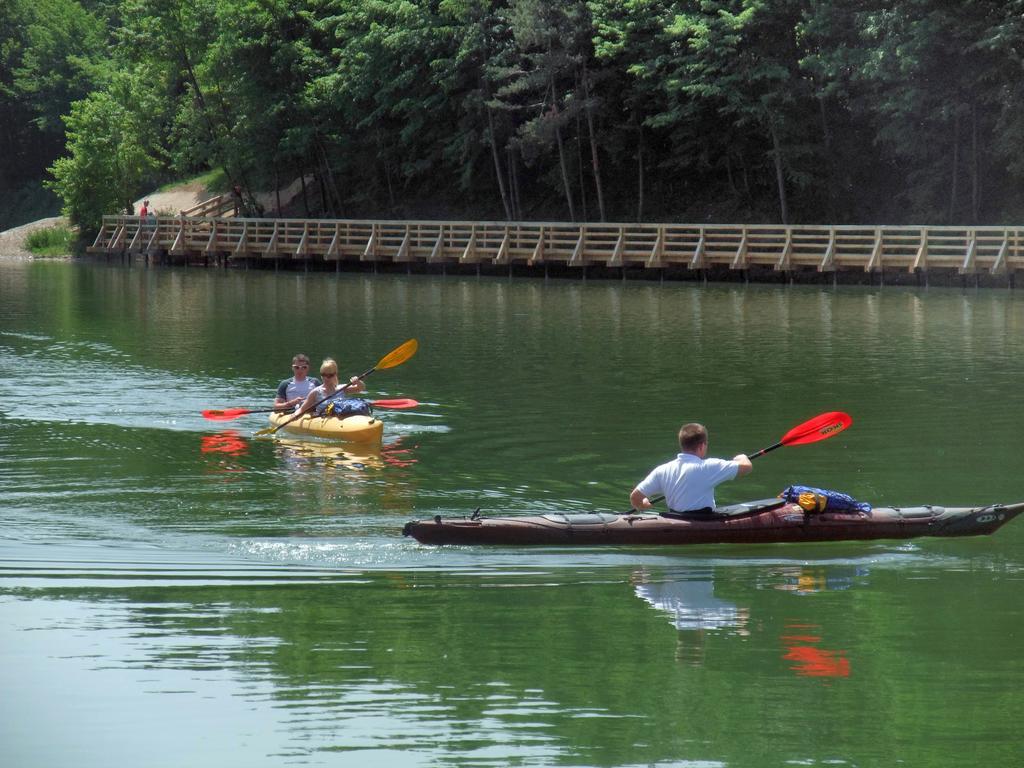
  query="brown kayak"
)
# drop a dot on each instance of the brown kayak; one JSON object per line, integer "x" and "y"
{"x": 754, "y": 522}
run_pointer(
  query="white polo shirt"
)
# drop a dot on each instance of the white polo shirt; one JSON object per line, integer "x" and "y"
{"x": 289, "y": 389}
{"x": 688, "y": 482}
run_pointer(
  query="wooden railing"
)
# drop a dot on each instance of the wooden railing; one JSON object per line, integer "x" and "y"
{"x": 997, "y": 250}
{"x": 221, "y": 205}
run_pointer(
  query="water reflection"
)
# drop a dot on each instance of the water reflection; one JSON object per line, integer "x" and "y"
{"x": 227, "y": 441}
{"x": 304, "y": 454}
{"x": 693, "y": 609}
{"x": 312, "y": 453}
{"x": 810, "y": 660}
{"x": 806, "y": 580}
{"x": 801, "y": 640}
{"x": 691, "y": 605}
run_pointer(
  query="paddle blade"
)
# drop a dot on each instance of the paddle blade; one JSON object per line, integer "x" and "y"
{"x": 225, "y": 414}
{"x": 819, "y": 428}
{"x": 399, "y": 355}
{"x": 397, "y": 404}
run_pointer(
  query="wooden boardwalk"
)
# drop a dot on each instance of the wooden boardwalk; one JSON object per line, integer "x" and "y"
{"x": 993, "y": 251}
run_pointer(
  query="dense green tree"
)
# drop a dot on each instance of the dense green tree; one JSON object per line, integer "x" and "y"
{"x": 108, "y": 155}
{"x": 64, "y": 59}
{"x": 803, "y": 110}
{"x": 52, "y": 52}
{"x": 930, "y": 79}
{"x": 631, "y": 54}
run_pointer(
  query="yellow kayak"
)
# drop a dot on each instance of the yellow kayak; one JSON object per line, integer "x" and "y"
{"x": 353, "y": 429}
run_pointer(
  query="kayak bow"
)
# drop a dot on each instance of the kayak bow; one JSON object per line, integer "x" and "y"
{"x": 755, "y": 522}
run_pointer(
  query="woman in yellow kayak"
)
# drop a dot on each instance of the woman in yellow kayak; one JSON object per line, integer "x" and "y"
{"x": 329, "y": 399}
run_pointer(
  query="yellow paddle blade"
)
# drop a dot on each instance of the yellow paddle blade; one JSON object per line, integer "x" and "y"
{"x": 264, "y": 431}
{"x": 399, "y": 355}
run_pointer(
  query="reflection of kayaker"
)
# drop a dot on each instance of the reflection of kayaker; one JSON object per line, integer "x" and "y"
{"x": 357, "y": 455}
{"x": 692, "y": 604}
{"x": 366, "y": 455}
{"x": 693, "y": 609}
{"x": 805, "y": 581}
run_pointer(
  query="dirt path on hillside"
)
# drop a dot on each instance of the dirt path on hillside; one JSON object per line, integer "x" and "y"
{"x": 173, "y": 201}
{"x": 167, "y": 203}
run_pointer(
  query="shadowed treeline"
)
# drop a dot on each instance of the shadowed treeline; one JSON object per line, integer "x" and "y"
{"x": 722, "y": 110}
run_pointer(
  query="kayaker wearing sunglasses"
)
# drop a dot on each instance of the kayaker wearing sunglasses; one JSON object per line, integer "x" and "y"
{"x": 688, "y": 481}
{"x": 330, "y": 399}
{"x": 291, "y": 392}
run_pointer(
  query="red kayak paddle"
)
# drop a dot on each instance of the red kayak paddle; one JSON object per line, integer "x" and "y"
{"x": 821, "y": 427}
{"x": 227, "y": 414}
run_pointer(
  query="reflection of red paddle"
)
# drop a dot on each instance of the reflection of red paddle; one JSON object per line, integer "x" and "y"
{"x": 226, "y": 414}
{"x": 227, "y": 441}
{"x": 811, "y": 431}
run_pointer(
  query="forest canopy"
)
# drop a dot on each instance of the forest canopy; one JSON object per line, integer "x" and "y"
{"x": 841, "y": 111}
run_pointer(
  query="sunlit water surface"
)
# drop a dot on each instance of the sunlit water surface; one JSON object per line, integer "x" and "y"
{"x": 174, "y": 591}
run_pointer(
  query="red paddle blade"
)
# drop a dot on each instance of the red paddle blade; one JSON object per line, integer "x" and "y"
{"x": 819, "y": 428}
{"x": 226, "y": 414}
{"x": 398, "y": 403}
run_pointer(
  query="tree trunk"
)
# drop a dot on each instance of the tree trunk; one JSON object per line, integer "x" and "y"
{"x": 498, "y": 173}
{"x": 305, "y": 193}
{"x": 579, "y": 166}
{"x": 387, "y": 172}
{"x": 565, "y": 173}
{"x": 830, "y": 166}
{"x": 321, "y": 183}
{"x": 975, "y": 173}
{"x": 513, "y": 183}
{"x": 337, "y": 204}
{"x": 211, "y": 128}
{"x": 277, "y": 188}
{"x": 515, "y": 191}
{"x": 639, "y": 169}
{"x": 594, "y": 163}
{"x": 561, "y": 148}
{"x": 955, "y": 169}
{"x": 779, "y": 175}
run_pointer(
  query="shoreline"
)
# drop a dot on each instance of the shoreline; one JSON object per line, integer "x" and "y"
{"x": 12, "y": 241}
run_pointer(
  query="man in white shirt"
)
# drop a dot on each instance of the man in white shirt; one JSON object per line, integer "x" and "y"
{"x": 291, "y": 392}
{"x": 688, "y": 481}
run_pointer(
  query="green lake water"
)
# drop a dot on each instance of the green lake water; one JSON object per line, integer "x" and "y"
{"x": 175, "y": 592}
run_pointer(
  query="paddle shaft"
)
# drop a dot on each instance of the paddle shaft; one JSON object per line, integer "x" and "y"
{"x": 302, "y": 413}
{"x": 227, "y": 414}
{"x": 763, "y": 451}
{"x": 820, "y": 427}
{"x": 397, "y": 356}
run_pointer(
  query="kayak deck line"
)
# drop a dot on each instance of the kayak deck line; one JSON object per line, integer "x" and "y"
{"x": 758, "y": 522}
{"x": 354, "y": 429}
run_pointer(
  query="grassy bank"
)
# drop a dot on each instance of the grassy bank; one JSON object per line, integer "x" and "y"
{"x": 52, "y": 241}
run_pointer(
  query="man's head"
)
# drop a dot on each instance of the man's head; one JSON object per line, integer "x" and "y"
{"x": 300, "y": 365}
{"x": 693, "y": 438}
